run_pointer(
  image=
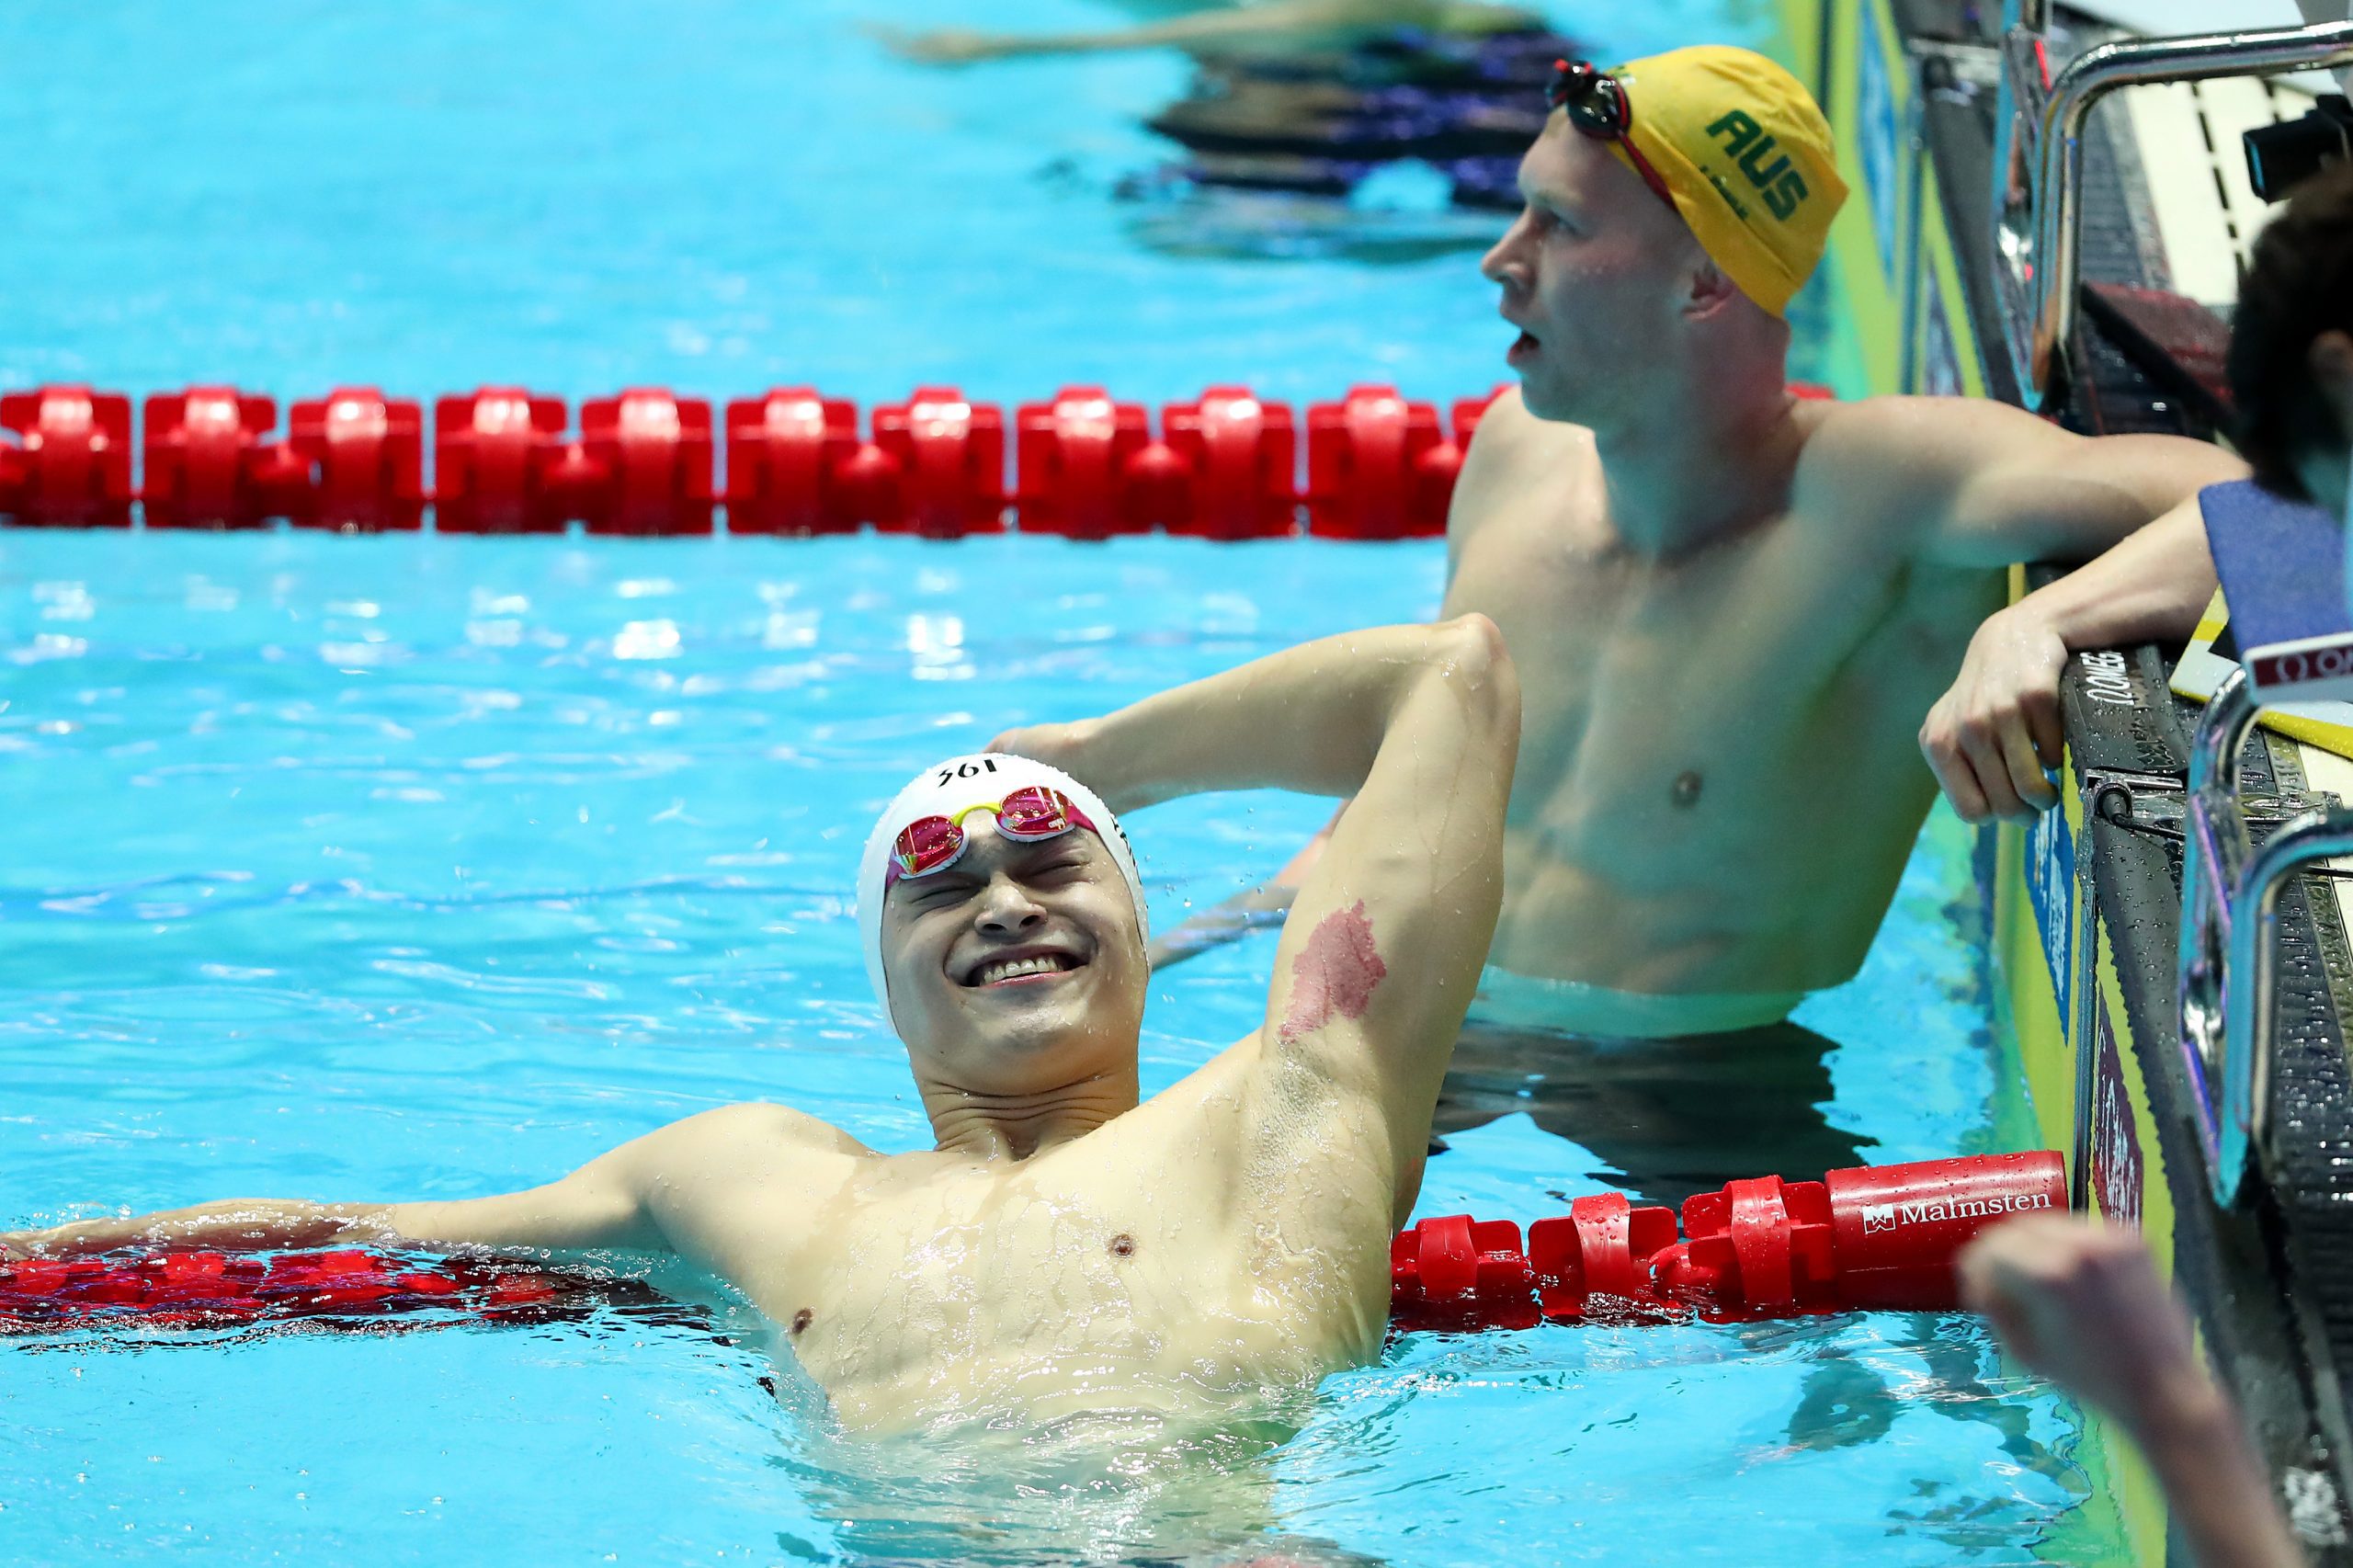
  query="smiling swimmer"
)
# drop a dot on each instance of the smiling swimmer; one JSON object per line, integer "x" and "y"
{"x": 1062, "y": 1247}
{"x": 923, "y": 833}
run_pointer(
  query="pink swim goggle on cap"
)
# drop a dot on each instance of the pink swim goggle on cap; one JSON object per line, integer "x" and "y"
{"x": 1031, "y": 814}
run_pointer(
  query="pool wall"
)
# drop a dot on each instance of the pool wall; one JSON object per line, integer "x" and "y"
{"x": 2084, "y": 908}
{"x": 1899, "y": 252}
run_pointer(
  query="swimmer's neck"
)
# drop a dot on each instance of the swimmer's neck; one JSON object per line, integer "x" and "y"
{"x": 1709, "y": 460}
{"x": 1012, "y": 1127}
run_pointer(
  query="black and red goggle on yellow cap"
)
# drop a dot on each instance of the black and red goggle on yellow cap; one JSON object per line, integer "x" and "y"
{"x": 1598, "y": 107}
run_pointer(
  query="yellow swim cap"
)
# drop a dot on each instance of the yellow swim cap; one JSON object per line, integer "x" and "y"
{"x": 1749, "y": 157}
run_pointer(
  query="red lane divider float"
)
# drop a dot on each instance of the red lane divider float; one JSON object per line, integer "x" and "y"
{"x": 641, "y": 465}
{"x": 647, "y": 459}
{"x": 492, "y": 453}
{"x": 70, "y": 465}
{"x": 1080, "y": 471}
{"x": 210, "y": 463}
{"x": 788, "y": 459}
{"x": 949, "y": 473}
{"x": 1379, "y": 467}
{"x": 1236, "y": 465}
{"x": 365, "y": 454}
{"x": 1878, "y": 1236}
{"x": 1224, "y": 466}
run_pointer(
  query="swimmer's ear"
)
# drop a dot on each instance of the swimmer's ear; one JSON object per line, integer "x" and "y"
{"x": 1712, "y": 291}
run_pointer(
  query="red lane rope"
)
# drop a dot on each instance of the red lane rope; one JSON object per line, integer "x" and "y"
{"x": 1874, "y": 1237}
{"x": 646, "y": 461}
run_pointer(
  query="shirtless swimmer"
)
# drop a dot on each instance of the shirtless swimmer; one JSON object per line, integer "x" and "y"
{"x": 1734, "y": 613}
{"x": 1063, "y": 1249}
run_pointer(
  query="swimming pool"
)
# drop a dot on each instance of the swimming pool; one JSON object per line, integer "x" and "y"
{"x": 377, "y": 867}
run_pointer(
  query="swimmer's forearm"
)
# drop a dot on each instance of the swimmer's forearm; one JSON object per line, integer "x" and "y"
{"x": 2218, "y": 1490}
{"x": 237, "y": 1222}
{"x": 1310, "y": 719}
{"x": 546, "y": 1217}
{"x": 2150, "y": 587}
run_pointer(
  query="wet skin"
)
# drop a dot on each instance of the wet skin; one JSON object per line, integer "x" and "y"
{"x": 1720, "y": 776}
{"x": 1067, "y": 1250}
{"x": 1126, "y": 1266}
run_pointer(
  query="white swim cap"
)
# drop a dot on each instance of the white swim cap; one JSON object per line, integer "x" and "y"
{"x": 947, "y": 788}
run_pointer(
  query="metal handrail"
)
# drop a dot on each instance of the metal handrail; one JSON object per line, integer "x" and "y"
{"x": 2227, "y": 977}
{"x": 2253, "y": 1024}
{"x": 2214, "y": 851}
{"x": 2036, "y": 274}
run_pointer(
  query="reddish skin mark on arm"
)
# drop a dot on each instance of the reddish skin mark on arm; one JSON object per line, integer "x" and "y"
{"x": 1334, "y": 974}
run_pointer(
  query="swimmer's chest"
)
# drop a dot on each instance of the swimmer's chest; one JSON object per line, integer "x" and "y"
{"x": 925, "y": 1277}
{"x": 1655, "y": 691}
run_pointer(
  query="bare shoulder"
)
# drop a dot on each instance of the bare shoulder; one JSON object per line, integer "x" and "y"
{"x": 751, "y": 1130}
{"x": 1890, "y": 465}
{"x": 1872, "y": 439}
{"x": 1213, "y": 1082}
{"x": 1869, "y": 433}
{"x": 1509, "y": 437}
{"x": 1511, "y": 450}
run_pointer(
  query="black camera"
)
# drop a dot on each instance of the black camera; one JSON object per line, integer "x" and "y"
{"x": 2282, "y": 157}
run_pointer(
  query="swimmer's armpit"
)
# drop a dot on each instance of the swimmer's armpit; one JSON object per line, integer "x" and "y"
{"x": 1334, "y": 974}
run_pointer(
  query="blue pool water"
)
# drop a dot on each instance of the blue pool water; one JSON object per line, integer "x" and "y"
{"x": 431, "y": 866}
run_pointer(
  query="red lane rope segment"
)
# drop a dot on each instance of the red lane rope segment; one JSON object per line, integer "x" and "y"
{"x": 647, "y": 461}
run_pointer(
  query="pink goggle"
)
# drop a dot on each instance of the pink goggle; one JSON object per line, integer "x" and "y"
{"x": 1030, "y": 814}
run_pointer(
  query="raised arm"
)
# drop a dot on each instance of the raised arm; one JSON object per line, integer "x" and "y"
{"x": 1976, "y": 485}
{"x": 1508, "y": 445}
{"x": 1383, "y": 947}
{"x": 1386, "y": 938}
